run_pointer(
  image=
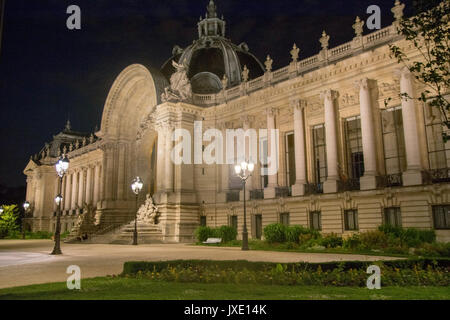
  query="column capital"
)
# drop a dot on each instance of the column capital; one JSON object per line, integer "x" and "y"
{"x": 364, "y": 84}
{"x": 246, "y": 120}
{"x": 329, "y": 95}
{"x": 403, "y": 73}
{"x": 271, "y": 112}
{"x": 298, "y": 104}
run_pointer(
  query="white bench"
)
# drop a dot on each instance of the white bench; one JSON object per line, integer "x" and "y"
{"x": 213, "y": 241}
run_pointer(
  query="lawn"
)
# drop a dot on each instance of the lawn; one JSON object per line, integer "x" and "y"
{"x": 290, "y": 247}
{"x": 117, "y": 288}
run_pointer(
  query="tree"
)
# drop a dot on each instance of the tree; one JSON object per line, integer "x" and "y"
{"x": 9, "y": 220}
{"x": 428, "y": 31}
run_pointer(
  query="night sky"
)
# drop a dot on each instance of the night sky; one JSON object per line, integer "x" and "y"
{"x": 49, "y": 74}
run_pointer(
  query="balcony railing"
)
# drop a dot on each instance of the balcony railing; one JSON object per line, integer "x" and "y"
{"x": 256, "y": 194}
{"x": 436, "y": 176}
{"x": 314, "y": 188}
{"x": 282, "y": 192}
{"x": 390, "y": 180}
{"x": 349, "y": 185}
{"x": 232, "y": 196}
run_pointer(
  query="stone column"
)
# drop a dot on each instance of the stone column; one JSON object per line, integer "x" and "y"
{"x": 412, "y": 176}
{"x": 247, "y": 151}
{"x": 368, "y": 181}
{"x": 96, "y": 185}
{"x": 68, "y": 192}
{"x": 74, "y": 190}
{"x": 269, "y": 192}
{"x": 121, "y": 173}
{"x": 160, "y": 162}
{"x": 169, "y": 166}
{"x": 329, "y": 97}
{"x": 81, "y": 189}
{"x": 298, "y": 189}
{"x": 109, "y": 173}
{"x": 89, "y": 185}
{"x": 224, "y": 168}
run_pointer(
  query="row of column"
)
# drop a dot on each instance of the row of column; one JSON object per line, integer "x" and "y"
{"x": 80, "y": 187}
{"x": 329, "y": 97}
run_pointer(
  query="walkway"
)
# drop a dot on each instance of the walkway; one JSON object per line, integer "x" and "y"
{"x": 28, "y": 262}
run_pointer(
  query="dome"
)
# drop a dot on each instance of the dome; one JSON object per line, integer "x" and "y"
{"x": 212, "y": 56}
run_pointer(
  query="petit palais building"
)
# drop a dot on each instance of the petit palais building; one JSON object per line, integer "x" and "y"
{"x": 347, "y": 161}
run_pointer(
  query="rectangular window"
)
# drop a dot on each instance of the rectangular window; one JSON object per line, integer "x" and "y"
{"x": 234, "y": 222}
{"x": 290, "y": 159}
{"x": 438, "y": 150}
{"x": 203, "y": 221}
{"x": 393, "y": 140}
{"x": 284, "y": 218}
{"x": 320, "y": 154}
{"x": 392, "y": 217}
{"x": 351, "y": 220}
{"x": 264, "y": 154}
{"x": 353, "y": 139}
{"x": 441, "y": 217}
{"x": 315, "y": 220}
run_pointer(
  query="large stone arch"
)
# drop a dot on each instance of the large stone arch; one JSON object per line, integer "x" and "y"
{"x": 127, "y": 151}
{"x": 133, "y": 96}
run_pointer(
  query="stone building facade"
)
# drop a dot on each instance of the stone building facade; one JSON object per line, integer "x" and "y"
{"x": 347, "y": 161}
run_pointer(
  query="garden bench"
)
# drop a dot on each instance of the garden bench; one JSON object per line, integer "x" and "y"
{"x": 213, "y": 241}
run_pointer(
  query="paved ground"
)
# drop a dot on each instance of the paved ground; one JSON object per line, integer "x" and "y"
{"x": 28, "y": 262}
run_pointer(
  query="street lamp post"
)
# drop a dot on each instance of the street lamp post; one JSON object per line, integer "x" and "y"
{"x": 244, "y": 171}
{"x": 62, "y": 166}
{"x": 136, "y": 186}
{"x": 26, "y": 207}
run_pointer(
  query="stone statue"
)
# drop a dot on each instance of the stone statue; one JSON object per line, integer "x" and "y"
{"x": 294, "y": 53}
{"x": 224, "y": 82}
{"x": 358, "y": 27}
{"x": 245, "y": 74}
{"x": 85, "y": 223}
{"x": 180, "y": 88}
{"x": 91, "y": 139}
{"x": 324, "y": 40}
{"x": 268, "y": 64}
{"x": 148, "y": 212}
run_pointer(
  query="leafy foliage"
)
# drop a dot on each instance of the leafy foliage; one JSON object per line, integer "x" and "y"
{"x": 429, "y": 32}
{"x": 402, "y": 272}
{"x": 226, "y": 233}
{"x": 275, "y": 233}
{"x": 9, "y": 220}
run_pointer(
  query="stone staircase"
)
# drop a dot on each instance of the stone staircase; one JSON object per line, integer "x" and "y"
{"x": 147, "y": 234}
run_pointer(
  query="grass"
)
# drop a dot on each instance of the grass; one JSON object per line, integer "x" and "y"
{"x": 118, "y": 288}
{"x": 290, "y": 247}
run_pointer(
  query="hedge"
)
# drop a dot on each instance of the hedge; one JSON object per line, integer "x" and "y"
{"x": 133, "y": 267}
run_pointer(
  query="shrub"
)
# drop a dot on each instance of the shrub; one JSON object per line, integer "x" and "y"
{"x": 227, "y": 233}
{"x": 331, "y": 240}
{"x": 410, "y": 237}
{"x": 293, "y": 233}
{"x": 275, "y": 233}
{"x": 434, "y": 250}
{"x": 203, "y": 233}
{"x": 373, "y": 239}
{"x": 352, "y": 242}
{"x": 8, "y": 220}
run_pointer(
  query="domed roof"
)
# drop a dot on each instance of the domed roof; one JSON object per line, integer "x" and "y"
{"x": 212, "y": 56}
